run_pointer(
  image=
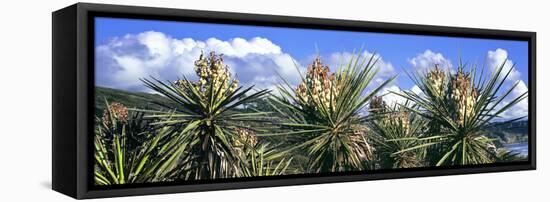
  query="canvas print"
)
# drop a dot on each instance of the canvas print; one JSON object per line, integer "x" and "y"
{"x": 185, "y": 102}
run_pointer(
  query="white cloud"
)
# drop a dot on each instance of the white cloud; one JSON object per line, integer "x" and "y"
{"x": 428, "y": 59}
{"x": 520, "y": 109}
{"x": 416, "y": 90}
{"x": 391, "y": 98}
{"x": 239, "y": 47}
{"x": 498, "y": 57}
{"x": 386, "y": 68}
{"x": 122, "y": 61}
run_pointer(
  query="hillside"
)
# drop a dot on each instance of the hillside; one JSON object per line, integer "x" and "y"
{"x": 130, "y": 99}
{"x": 510, "y": 133}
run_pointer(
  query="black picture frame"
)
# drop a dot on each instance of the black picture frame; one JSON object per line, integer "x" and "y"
{"x": 73, "y": 103}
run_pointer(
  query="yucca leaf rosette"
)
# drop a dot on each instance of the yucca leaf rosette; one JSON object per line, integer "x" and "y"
{"x": 460, "y": 107}
{"x": 324, "y": 115}
{"x": 210, "y": 117}
{"x": 395, "y": 130}
{"x": 129, "y": 150}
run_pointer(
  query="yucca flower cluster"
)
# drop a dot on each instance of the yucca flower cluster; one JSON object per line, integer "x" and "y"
{"x": 464, "y": 95}
{"x": 209, "y": 109}
{"x": 399, "y": 117}
{"x": 245, "y": 137}
{"x": 119, "y": 113}
{"x": 377, "y": 105}
{"x": 321, "y": 84}
{"x": 211, "y": 70}
{"x": 436, "y": 80}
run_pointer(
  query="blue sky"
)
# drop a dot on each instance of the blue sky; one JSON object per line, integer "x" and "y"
{"x": 127, "y": 48}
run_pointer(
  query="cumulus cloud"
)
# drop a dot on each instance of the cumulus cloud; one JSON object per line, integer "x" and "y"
{"x": 390, "y": 96}
{"x": 497, "y": 58}
{"x": 122, "y": 61}
{"x": 416, "y": 90}
{"x": 386, "y": 69}
{"x": 429, "y": 59}
{"x": 521, "y": 109}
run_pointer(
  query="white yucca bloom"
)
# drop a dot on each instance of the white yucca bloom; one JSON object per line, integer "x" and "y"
{"x": 321, "y": 84}
{"x": 464, "y": 96}
{"x": 436, "y": 80}
{"x": 213, "y": 72}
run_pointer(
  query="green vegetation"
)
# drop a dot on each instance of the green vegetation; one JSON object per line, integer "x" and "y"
{"x": 510, "y": 133}
{"x": 214, "y": 128}
{"x": 325, "y": 113}
{"x": 130, "y": 99}
{"x": 460, "y": 108}
{"x": 128, "y": 149}
{"x": 394, "y": 131}
{"x": 210, "y": 123}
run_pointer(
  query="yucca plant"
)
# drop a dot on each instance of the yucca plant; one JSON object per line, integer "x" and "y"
{"x": 460, "y": 106}
{"x": 128, "y": 150}
{"x": 325, "y": 114}
{"x": 209, "y": 111}
{"x": 259, "y": 159}
{"x": 395, "y": 129}
{"x": 503, "y": 155}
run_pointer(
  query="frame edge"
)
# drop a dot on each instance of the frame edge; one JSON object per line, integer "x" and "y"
{"x": 64, "y": 146}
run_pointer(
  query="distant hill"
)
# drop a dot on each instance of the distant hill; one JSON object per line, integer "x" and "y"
{"x": 129, "y": 99}
{"x": 509, "y": 133}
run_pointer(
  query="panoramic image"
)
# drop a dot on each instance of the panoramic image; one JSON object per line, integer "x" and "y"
{"x": 186, "y": 101}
